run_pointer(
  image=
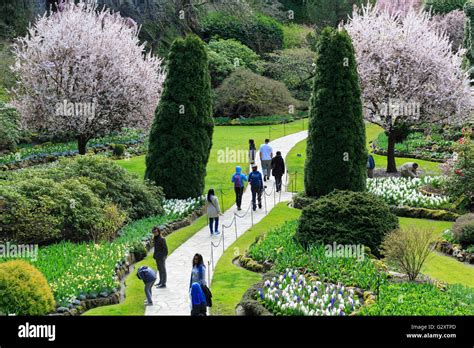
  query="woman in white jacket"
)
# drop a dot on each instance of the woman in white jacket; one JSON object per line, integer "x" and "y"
{"x": 213, "y": 211}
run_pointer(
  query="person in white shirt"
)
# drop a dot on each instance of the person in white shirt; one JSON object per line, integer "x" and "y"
{"x": 409, "y": 170}
{"x": 266, "y": 155}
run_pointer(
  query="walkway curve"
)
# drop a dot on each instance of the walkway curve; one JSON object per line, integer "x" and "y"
{"x": 174, "y": 299}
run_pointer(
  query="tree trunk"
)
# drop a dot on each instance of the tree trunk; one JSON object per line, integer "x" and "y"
{"x": 391, "y": 164}
{"x": 82, "y": 145}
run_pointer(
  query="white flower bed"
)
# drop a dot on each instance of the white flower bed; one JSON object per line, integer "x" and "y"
{"x": 403, "y": 192}
{"x": 293, "y": 294}
{"x": 182, "y": 207}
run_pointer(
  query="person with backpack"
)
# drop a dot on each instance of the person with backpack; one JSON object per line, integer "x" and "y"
{"x": 256, "y": 186}
{"x": 160, "y": 254}
{"x": 252, "y": 151}
{"x": 148, "y": 276}
{"x": 213, "y": 211}
{"x": 198, "y": 276}
{"x": 370, "y": 166}
{"x": 198, "y": 301}
{"x": 239, "y": 179}
{"x": 278, "y": 169}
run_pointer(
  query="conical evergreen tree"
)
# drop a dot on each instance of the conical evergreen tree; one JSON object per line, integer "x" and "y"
{"x": 336, "y": 152}
{"x": 181, "y": 135}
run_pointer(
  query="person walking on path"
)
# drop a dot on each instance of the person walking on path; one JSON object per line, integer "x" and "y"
{"x": 148, "y": 276}
{"x": 266, "y": 155}
{"x": 198, "y": 301}
{"x": 198, "y": 272}
{"x": 252, "y": 151}
{"x": 160, "y": 254}
{"x": 409, "y": 170}
{"x": 239, "y": 179}
{"x": 213, "y": 211}
{"x": 370, "y": 166}
{"x": 278, "y": 169}
{"x": 256, "y": 186}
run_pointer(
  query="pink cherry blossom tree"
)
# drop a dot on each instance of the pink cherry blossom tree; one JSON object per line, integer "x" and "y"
{"x": 83, "y": 71}
{"x": 401, "y": 7}
{"x": 408, "y": 72}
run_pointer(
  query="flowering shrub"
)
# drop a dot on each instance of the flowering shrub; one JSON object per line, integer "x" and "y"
{"x": 294, "y": 294}
{"x": 403, "y": 191}
{"x": 179, "y": 208}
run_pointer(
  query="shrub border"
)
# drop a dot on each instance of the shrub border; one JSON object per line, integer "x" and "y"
{"x": 124, "y": 270}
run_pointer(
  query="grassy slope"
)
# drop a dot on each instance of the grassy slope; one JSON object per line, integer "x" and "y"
{"x": 229, "y": 281}
{"x": 233, "y": 138}
{"x": 135, "y": 295}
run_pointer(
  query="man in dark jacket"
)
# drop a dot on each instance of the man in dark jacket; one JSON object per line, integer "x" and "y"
{"x": 278, "y": 169}
{"x": 256, "y": 186}
{"x": 160, "y": 254}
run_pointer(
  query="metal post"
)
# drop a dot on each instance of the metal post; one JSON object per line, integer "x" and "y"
{"x": 274, "y": 194}
{"x": 212, "y": 256}
{"x": 251, "y": 212}
{"x": 222, "y": 199}
{"x": 209, "y": 273}
{"x": 223, "y": 247}
{"x": 296, "y": 180}
{"x": 235, "y": 226}
{"x": 265, "y": 198}
{"x": 269, "y": 132}
{"x": 284, "y": 128}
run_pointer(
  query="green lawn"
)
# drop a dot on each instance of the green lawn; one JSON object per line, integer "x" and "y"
{"x": 296, "y": 164}
{"x": 230, "y": 282}
{"x": 228, "y": 140}
{"x": 134, "y": 291}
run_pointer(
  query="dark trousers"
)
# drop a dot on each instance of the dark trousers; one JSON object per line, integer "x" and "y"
{"x": 239, "y": 191}
{"x": 256, "y": 194}
{"x": 161, "y": 266}
{"x": 278, "y": 182}
{"x": 215, "y": 222}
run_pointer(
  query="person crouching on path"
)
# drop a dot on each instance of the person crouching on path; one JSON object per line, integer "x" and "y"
{"x": 213, "y": 211}
{"x": 278, "y": 169}
{"x": 148, "y": 276}
{"x": 256, "y": 186}
{"x": 239, "y": 179}
{"x": 198, "y": 301}
{"x": 160, "y": 254}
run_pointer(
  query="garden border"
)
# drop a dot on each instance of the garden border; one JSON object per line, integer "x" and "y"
{"x": 124, "y": 270}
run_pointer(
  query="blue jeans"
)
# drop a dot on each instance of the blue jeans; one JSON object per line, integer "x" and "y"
{"x": 148, "y": 287}
{"x": 214, "y": 221}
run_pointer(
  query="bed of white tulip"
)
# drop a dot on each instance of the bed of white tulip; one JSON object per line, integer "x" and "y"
{"x": 180, "y": 208}
{"x": 405, "y": 192}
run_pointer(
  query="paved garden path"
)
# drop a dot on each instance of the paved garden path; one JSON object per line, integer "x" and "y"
{"x": 174, "y": 299}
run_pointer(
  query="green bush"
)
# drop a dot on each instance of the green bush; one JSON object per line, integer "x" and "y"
{"x": 118, "y": 150}
{"x": 9, "y": 133}
{"x": 237, "y": 53}
{"x": 463, "y": 230}
{"x": 219, "y": 68}
{"x": 296, "y": 36}
{"x": 181, "y": 135}
{"x": 293, "y": 67}
{"x": 409, "y": 299}
{"x": 24, "y": 290}
{"x": 259, "y": 32}
{"x": 444, "y": 6}
{"x": 345, "y": 217}
{"x": 44, "y": 211}
{"x": 336, "y": 151}
{"x": 245, "y": 93}
{"x": 280, "y": 248}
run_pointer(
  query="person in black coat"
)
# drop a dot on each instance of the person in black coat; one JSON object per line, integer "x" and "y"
{"x": 278, "y": 169}
{"x": 160, "y": 254}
